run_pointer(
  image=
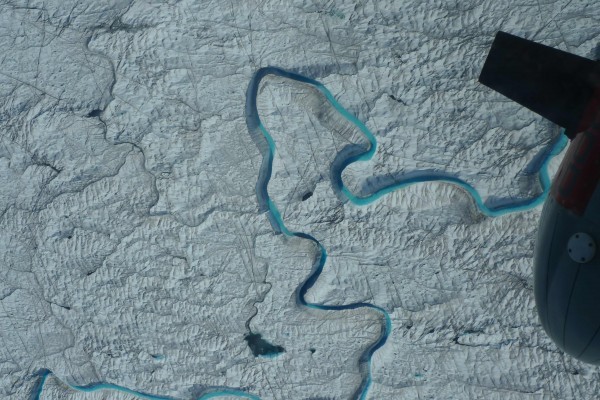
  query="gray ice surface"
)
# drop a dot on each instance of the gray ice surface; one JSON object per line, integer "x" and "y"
{"x": 132, "y": 249}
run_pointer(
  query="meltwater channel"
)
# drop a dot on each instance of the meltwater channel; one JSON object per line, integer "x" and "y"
{"x": 267, "y": 148}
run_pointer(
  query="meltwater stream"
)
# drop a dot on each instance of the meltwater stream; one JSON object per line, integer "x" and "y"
{"x": 267, "y": 148}
{"x": 93, "y": 387}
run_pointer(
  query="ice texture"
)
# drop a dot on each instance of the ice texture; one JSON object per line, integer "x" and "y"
{"x": 134, "y": 254}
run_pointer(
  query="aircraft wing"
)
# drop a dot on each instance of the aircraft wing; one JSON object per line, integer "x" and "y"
{"x": 562, "y": 87}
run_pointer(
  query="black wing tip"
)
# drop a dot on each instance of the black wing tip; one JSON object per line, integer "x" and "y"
{"x": 552, "y": 83}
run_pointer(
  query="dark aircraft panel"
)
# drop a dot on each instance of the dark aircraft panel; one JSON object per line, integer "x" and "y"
{"x": 560, "y": 270}
{"x": 566, "y": 292}
{"x": 583, "y": 317}
{"x": 552, "y": 83}
{"x": 565, "y": 89}
{"x": 542, "y": 258}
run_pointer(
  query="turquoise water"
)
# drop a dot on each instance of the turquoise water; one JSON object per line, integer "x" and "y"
{"x": 217, "y": 392}
{"x": 255, "y": 125}
{"x": 267, "y": 147}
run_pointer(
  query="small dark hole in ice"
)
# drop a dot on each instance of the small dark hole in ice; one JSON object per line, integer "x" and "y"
{"x": 307, "y": 195}
{"x": 312, "y": 350}
{"x": 94, "y": 113}
{"x": 260, "y": 347}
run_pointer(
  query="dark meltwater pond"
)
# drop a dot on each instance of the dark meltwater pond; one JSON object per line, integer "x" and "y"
{"x": 260, "y": 347}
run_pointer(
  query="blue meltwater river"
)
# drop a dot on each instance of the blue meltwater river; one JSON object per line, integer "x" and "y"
{"x": 267, "y": 148}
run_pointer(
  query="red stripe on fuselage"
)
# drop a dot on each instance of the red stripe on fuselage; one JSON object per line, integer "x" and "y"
{"x": 579, "y": 171}
{"x": 591, "y": 111}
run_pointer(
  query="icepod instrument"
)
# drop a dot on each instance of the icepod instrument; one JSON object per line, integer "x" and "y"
{"x": 565, "y": 89}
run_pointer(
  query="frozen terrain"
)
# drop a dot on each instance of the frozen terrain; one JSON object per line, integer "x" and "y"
{"x": 138, "y": 257}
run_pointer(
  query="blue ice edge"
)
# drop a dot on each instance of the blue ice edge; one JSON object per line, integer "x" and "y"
{"x": 216, "y": 392}
{"x": 267, "y": 147}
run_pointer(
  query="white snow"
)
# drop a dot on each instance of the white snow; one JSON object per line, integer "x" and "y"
{"x": 132, "y": 250}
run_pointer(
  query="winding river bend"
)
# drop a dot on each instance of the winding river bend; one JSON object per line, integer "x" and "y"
{"x": 267, "y": 147}
{"x": 94, "y": 387}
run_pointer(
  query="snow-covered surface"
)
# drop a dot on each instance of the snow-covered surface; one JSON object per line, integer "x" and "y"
{"x": 133, "y": 251}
